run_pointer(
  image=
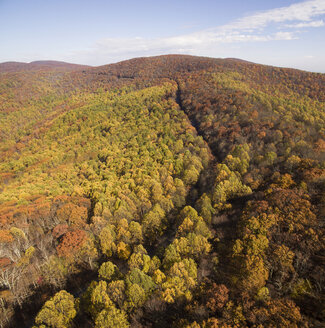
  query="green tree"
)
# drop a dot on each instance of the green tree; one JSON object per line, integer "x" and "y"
{"x": 205, "y": 208}
{"x": 138, "y": 277}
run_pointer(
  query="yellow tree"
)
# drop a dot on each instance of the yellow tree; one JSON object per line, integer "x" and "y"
{"x": 58, "y": 312}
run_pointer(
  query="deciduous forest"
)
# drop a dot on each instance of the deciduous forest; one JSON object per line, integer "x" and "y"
{"x": 171, "y": 191}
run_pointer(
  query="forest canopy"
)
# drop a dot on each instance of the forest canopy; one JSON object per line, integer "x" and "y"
{"x": 171, "y": 190}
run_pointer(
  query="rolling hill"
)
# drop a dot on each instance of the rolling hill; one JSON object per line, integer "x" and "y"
{"x": 39, "y": 65}
{"x": 171, "y": 190}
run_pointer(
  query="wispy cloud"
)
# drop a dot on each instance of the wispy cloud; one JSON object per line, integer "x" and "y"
{"x": 258, "y": 27}
{"x": 303, "y": 12}
{"x": 318, "y": 23}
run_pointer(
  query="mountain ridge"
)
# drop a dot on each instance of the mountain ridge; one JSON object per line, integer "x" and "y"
{"x": 178, "y": 190}
{"x": 55, "y": 63}
{"x": 12, "y": 66}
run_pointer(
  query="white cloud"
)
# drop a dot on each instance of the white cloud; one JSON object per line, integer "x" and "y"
{"x": 318, "y": 23}
{"x": 284, "y": 36}
{"x": 303, "y": 11}
{"x": 250, "y": 28}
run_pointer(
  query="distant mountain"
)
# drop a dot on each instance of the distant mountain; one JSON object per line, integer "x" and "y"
{"x": 38, "y": 65}
{"x": 173, "y": 190}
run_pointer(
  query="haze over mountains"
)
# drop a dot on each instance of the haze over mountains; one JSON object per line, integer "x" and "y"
{"x": 174, "y": 190}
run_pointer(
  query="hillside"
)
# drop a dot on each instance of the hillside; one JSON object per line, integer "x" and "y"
{"x": 39, "y": 65}
{"x": 172, "y": 190}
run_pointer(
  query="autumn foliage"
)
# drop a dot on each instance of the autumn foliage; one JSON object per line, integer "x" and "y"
{"x": 164, "y": 191}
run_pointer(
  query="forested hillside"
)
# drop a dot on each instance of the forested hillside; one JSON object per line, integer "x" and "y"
{"x": 164, "y": 191}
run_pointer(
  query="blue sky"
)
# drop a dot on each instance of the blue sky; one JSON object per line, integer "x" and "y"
{"x": 287, "y": 33}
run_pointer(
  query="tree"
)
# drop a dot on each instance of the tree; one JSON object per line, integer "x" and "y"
{"x": 123, "y": 250}
{"x": 96, "y": 298}
{"x": 136, "y": 232}
{"x": 116, "y": 291}
{"x": 191, "y": 175}
{"x": 197, "y": 245}
{"x": 218, "y": 297}
{"x": 71, "y": 242}
{"x": 188, "y": 212}
{"x": 136, "y": 296}
{"x": 197, "y": 226}
{"x": 138, "y": 277}
{"x": 111, "y": 318}
{"x": 107, "y": 240}
{"x": 180, "y": 193}
{"x": 58, "y": 312}
{"x": 280, "y": 313}
{"x": 99, "y": 298}
{"x": 122, "y": 231}
{"x": 205, "y": 208}
{"x": 139, "y": 259}
{"x": 181, "y": 279}
{"x": 152, "y": 223}
{"x": 159, "y": 277}
{"x": 107, "y": 271}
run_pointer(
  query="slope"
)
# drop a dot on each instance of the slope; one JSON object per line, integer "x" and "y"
{"x": 107, "y": 172}
{"x": 39, "y": 65}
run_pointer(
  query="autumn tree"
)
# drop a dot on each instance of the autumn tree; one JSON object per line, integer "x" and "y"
{"x": 58, "y": 312}
{"x": 112, "y": 318}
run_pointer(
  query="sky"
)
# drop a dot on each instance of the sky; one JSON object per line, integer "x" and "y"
{"x": 287, "y": 33}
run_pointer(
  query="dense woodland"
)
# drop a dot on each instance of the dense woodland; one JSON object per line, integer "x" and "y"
{"x": 171, "y": 191}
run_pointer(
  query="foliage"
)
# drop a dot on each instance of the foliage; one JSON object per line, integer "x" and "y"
{"x": 192, "y": 188}
{"x": 57, "y": 312}
{"x": 111, "y": 318}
